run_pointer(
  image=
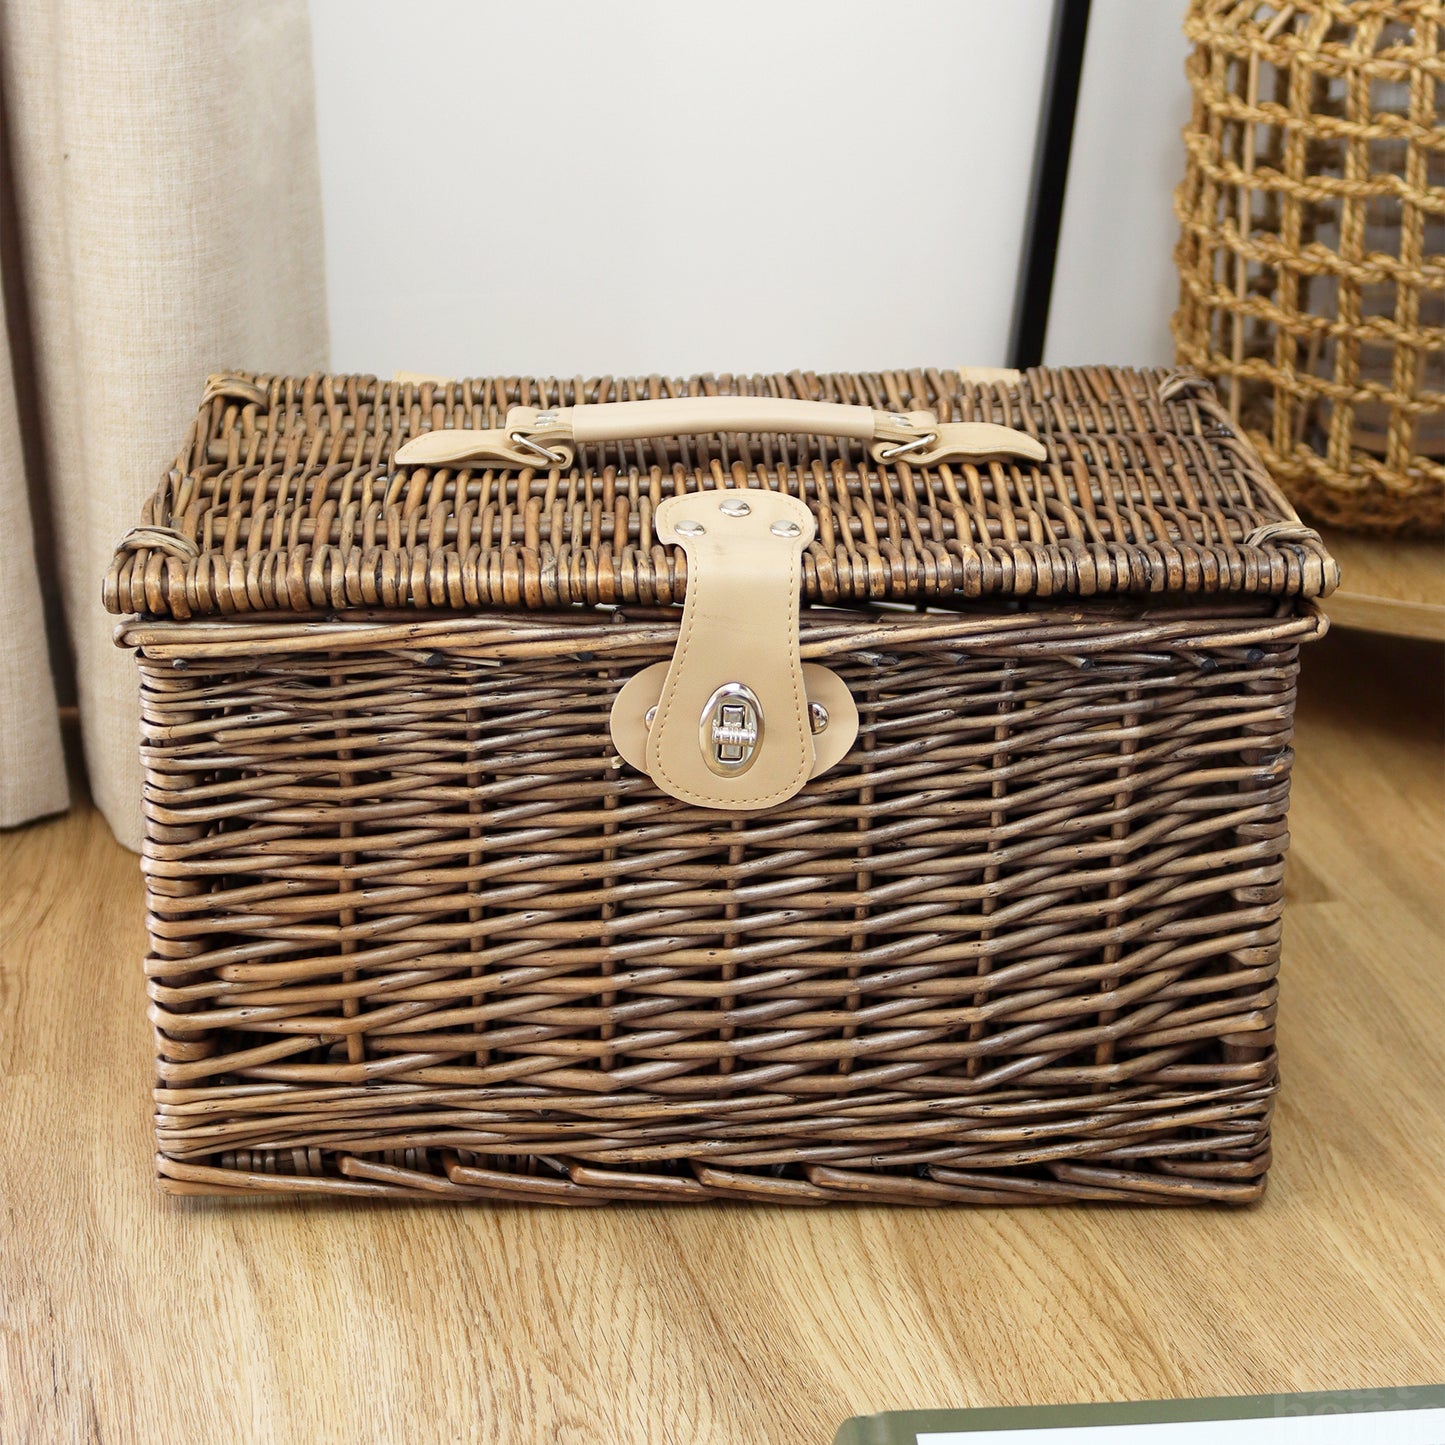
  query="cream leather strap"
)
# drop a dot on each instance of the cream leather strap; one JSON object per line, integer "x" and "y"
{"x": 549, "y": 438}
{"x": 736, "y": 720}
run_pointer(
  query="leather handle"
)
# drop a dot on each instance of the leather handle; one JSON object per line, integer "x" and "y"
{"x": 536, "y": 436}
{"x": 615, "y": 421}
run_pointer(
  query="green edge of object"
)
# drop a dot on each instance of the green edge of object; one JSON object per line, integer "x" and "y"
{"x": 902, "y": 1427}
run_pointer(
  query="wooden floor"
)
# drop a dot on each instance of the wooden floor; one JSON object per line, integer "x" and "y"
{"x": 128, "y": 1316}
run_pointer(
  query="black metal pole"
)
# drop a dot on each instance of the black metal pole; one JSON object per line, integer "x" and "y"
{"x": 1051, "y": 174}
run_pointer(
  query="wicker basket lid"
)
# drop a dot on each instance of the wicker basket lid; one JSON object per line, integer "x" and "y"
{"x": 285, "y": 498}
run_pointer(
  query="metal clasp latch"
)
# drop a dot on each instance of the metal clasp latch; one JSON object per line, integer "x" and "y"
{"x": 731, "y": 729}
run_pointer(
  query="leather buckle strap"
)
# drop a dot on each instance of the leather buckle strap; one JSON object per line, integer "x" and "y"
{"x": 736, "y": 720}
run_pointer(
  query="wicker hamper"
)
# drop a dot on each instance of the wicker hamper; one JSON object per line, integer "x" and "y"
{"x": 932, "y": 851}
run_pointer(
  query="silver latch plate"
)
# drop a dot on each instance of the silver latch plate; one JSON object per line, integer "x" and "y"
{"x": 730, "y": 729}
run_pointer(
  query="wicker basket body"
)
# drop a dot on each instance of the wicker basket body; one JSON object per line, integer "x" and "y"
{"x": 417, "y": 930}
{"x": 1312, "y": 247}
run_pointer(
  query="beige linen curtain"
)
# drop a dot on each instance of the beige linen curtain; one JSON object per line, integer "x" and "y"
{"x": 166, "y": 224}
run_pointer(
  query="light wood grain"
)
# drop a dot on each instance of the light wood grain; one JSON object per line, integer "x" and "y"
{"x": 1389, "y": 584}
{"x": 130, "y": 1316}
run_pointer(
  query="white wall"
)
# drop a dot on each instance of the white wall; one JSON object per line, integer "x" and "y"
{"x": 1115, "y": 285}
{"x": 674, "y": 185}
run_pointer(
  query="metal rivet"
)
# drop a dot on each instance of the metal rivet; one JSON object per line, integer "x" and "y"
{"x": 785, "y": 529}
{"x": 689, "y": 529}
{"x": 734, "y": 507}
{"x": 817, "y": 716}
{"x": 648, "y": 716}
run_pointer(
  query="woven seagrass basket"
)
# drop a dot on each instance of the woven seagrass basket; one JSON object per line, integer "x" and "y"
{"x": 1312, "y": 247}
{"x": 435, "y": 912}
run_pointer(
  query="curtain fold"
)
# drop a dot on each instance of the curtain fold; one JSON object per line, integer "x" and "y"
{"x": 32, "y": 762}
{"x": 168, "y": 209}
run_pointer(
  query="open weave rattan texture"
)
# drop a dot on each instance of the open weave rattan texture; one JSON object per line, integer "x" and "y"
{"x": 416, "y": 930}
{"x": 1312, "y": 247}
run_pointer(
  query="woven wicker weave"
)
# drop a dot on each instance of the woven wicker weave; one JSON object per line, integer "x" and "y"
{"x": 1312, "y": 248}
{"x": 283, "y": 500}
{"x": 416, "y": 930}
